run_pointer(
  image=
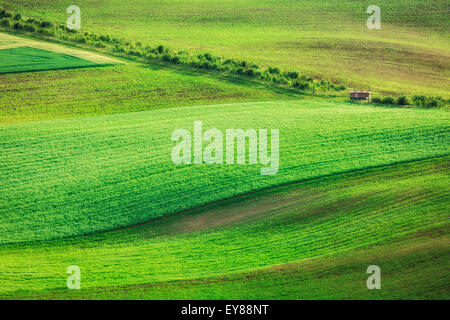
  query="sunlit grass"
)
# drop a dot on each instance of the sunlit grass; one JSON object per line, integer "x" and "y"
{"x": 330, "y": 229}
{"x": 329, "y": 39}
{"x": 76, "y": 176}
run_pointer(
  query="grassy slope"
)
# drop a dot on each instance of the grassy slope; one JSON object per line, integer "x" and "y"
{"x": 324, "y": 38}
{"x": 122, "y": 88}
{"x": 309, "y": 240}
{"x": 25, "y": 59}
{"x": 78, "y": 171}
{"x": 77, "y": 176}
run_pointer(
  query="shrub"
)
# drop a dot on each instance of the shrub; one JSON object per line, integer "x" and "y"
{"x": 166, "y": 57}
{"x": 431, "y": 103}
{"x": 266, "y": 76}
{"x": 435, "y": 102}
{"x": 46, "y": 24}
{"x": 99, "y": 45}
{"x": 274, "y": 70}
{"x": 18, "y": 26}
{"x": 240, "y": 70}
{"x": 5, "y": 14}
{"x": 376, "y": 100}
{"x": 208, "y": 56}
{"x": 118, "y": 48}
{"x": 402, "y": 101}
{"x": 160, "y": 49}
{"x": 388, "y": 100}
{"x": 30, "y": 28}
{"x": 5, "y": 22}
{"x": 428, "y": 102}
{"x": 175, "y": 60}
{"x": 17, "y": 17}
{"x": 250, "y": 73}
{"x": 105, "y": 38}
{"x": 419, "y": 100}
{"x": 134, "y": 53}
{"x": 293, "y": 74}
{"x": 302, "y": 85}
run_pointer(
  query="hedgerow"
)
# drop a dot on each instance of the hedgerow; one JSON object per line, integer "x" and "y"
{"x": 205, "y": 61}
{"x": 429, "y": 102}
{"x": 417, "y": 100}
{"x": 129, "y": 49}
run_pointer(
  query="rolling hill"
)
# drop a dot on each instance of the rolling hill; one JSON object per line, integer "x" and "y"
{"x": 327, "y": 39}
{"x": 87, "y": 176}
{"x": 83, "y": 175}
{"x": 309, "y": 240}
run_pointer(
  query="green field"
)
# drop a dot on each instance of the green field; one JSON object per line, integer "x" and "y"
{"x": 328, "y": 39}
{"x": 308, "y": 240}
{"x": 115, "y": 89}
{"x": 128, "y": 177}
{"x": 28, "y": 59}
{"x": 87, "y": 179}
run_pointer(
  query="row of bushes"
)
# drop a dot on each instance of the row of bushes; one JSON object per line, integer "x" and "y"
{"x": 161, "y": 53}
{"x": 418, "y": 100}
{"x": 16, "y": 22}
